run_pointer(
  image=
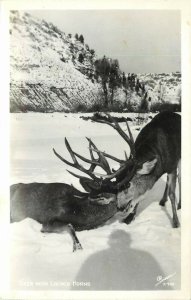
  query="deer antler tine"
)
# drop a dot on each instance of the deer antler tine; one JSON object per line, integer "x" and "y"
{"x": 104, "y": 162}
{"x": 70, "y": 151}
{"x": 83, "y": 158}
{"x": 129, "y": 139}
{"x": 110, "y": 176}
{"x": 126, "y": 157}
{"x": 109, "y": 156}
{"x": 83, "y": 177}
{"x": 75, "y": 165}
{"x": 111, "y": 119}
{"x": 101, "y": 161}
{"x": 105, "y": 122}
{"x": 90, "y": 148}
{"x": 116, "y": 126}
{"x": 91, "y": 143}
{"x": 95, "y": 149}
{"x": 92, "y": 167}
{"x": 63, "y": 159}
{"x": 119, "y": 129}
{"x": 130, "y": 134}
{"x": 75, "y": 175}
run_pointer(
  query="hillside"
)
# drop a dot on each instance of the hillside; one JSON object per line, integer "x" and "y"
{"x": 53, "y": 71}
{"x": 46, "y": 74}
{"x": 165, "y": 87}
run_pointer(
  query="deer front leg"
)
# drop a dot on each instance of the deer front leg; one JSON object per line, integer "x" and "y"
{"x": 58, "y": 227}
{"x": 76, "y": 243}
{"x": 172, "y": 196}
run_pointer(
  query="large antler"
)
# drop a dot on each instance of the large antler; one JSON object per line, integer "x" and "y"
{"x": 100, "y": 161}
{"x": 95, "y": 149}
{"x": 129, "y": 139}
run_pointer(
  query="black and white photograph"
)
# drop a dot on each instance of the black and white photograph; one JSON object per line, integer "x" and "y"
{"x": 95, "y": 117}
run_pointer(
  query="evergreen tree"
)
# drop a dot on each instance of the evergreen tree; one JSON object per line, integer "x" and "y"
{"x": 87, "y": 47}
{"x": 81, "y": 39}
{"x": 92, "y": 51}
{"x": 114, "y": 77}
{"x": 81, "y": 58}
{"x": 102, "y": 67}
{"x": 124, "y": 79}
{"x": 109, "y": 72}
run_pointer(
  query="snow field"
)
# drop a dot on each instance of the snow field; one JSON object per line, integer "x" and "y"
{"x": 115, "y": 256}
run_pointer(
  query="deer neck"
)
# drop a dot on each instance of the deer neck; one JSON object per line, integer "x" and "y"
{"x": 144, "y": 183}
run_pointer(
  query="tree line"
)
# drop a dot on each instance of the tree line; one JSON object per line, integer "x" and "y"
{"x": 108, "y": 72}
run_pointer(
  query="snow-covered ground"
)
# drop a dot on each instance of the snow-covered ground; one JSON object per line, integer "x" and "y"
{"x": 115, "y": 256}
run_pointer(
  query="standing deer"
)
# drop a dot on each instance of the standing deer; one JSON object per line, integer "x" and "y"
{"x": 156, "y": 151}
{"x": 59, "y": 206}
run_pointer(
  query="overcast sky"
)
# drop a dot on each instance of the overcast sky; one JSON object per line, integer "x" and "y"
{"x": 142, "y": 40}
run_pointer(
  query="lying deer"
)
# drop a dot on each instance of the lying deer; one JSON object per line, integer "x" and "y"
{"x": 59, "y": 207}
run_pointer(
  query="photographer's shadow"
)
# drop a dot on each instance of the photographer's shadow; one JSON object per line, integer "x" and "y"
{"x": 120, "y": 267}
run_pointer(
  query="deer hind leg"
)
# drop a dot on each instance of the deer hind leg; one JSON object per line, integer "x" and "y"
{"x": 179, "y": 182}
{"x": 58, "y": 227}
{"x": 166, "y": 192}
{"x": 172, "y": 196}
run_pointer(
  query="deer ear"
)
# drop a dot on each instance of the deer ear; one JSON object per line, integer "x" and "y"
{"x": 147, "y": 167}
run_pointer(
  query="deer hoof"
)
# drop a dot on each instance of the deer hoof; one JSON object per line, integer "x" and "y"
{"x": 176, "y": 224}
{"x": 77, "y": 246}
{"x": 162, "y": 202}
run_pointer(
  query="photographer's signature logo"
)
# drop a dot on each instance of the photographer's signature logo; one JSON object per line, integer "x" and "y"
{"x": 165, "y": 280}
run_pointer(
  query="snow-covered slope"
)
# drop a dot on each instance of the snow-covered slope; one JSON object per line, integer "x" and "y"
{"x": 46, "y": 74}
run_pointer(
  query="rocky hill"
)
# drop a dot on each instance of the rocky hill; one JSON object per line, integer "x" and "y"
{"x": 54, "y": 71}
{"x": 163, "y": 87}
{"x": 50, "y": 70}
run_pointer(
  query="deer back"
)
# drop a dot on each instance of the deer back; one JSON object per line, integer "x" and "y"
{"x": 157, "y": 151}
{"x": 49, "y": 202}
